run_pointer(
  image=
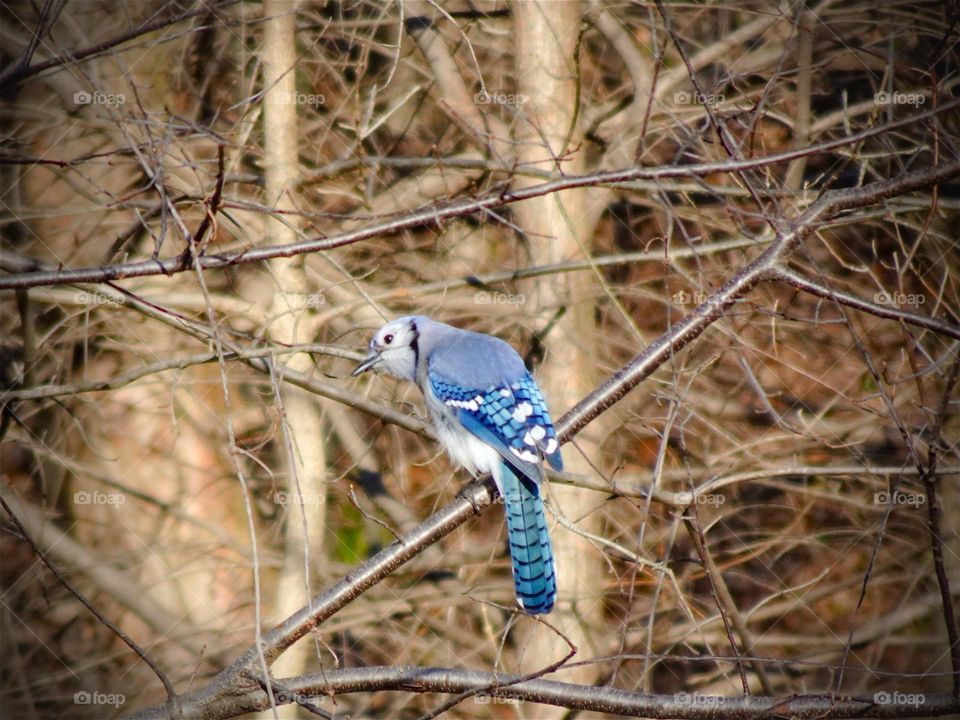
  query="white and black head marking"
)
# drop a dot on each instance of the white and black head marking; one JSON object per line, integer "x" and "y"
{"x": 394, "y": 350}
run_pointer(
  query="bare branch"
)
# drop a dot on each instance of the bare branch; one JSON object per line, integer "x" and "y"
{"x": 551, "y": 692}
{"x": 760, "y": 269}
{"x": 113, "y": 627}
{"x": 16, "y": 73}
{"x": 432, "y": 215}
{"x": 885, "y": 311}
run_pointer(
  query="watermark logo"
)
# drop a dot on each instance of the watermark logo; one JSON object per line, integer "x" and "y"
{"x": 685, "y": 97}
{"x": 685, "y": 297}
{"x": 298, "y": 98}
{"x": 710, "y": 499}
{"x": 899, "y": 98}
{"x": 899, "y": 298}
{"x": 285, "y": 498}
{"x": 482, "y": 698}
{"x": 699, "y": 700}
{"x": 82, "y": 97}
{"x": 682, "y": 297}
{"x": 511, "y": 499}
{"x": 95, "y": 298}
{"x": 82, "y": 697}
{"x": 485, "y": 97}
{"x": 300, "y": 301}
{"x": 482, "y": 297}
{"x": 282, "y": 697}
{"x": 83, "y": 497}
{"x": 900, "y": 497}
{"x": 898, "y": 698}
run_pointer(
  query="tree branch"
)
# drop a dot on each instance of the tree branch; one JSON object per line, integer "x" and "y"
{"x": 764, "y": 267}
{"x": 550, "y": 692}
{"x": 220, "y": 697}
{"x": 884, "y": 311}
{"x": 16, "y": 73}
{"x": 213, "y": 699}
{"x": 459, "y": 208}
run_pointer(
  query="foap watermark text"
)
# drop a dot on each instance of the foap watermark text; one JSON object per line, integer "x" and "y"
{"x": 285, "y": 498}
{"x": 95, "y": 298}
{"x": 688, "y": 699}
{"x": 85, "y": 497}
{"x": 481, "y": 297}
{"x": 482, "y": 698}
{"x": 899, "y": 497}
{"x": 82, "y": 97}
{"x": 83, "y": 697}
{"x": 899, "y": 298}
{"x": 884, "y": 697}
{"x": 485, "y": 97}
{"x": 686, "y": 97}
{"x": 916, "y": 99}
{"x": 298, "y": 98}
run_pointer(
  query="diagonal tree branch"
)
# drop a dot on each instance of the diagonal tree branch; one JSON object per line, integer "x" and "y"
{"x": 459, "y": 208}
{"x": 219, "y": 698}
{"x": 112, "y": 626}
{"x": 789, "y": 275}
{"x": 17, "y": 72}
{"x": 764, "y": 267}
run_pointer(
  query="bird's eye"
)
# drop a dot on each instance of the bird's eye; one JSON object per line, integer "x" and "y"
{"x": 387, "y": 339}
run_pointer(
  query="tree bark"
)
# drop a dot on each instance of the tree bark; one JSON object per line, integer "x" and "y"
{"x": 305, "y": 505}
{"x": 546, "y": 35}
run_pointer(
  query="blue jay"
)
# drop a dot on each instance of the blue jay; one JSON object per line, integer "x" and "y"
{"x": 490, "y": 416}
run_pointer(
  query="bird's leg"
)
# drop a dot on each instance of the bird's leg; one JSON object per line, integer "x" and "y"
{"x": 468, "y": 492}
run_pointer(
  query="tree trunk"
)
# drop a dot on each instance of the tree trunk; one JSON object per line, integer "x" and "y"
{"x": 546, "y": 35}
{"x": 306, "y": 460}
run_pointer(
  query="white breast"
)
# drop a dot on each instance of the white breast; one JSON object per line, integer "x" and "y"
{"x": 465, "y": 449}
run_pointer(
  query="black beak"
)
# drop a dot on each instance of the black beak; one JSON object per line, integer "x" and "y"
{"x": 367, "y": 363}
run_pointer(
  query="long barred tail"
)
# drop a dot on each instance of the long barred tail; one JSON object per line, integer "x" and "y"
{"x": 534, "y": 571}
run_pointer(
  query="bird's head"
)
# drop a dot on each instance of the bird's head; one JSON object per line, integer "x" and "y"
{"x": 393, "y": 350}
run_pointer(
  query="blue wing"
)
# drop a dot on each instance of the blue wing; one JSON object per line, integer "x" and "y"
{"x": 511, "y": 417}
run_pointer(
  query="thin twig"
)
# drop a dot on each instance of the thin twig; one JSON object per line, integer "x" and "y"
{"x": 884, "y": 311}
{"x": 760, "y": 269}
{"x": 107, "y": 622}
{"x": 131, "y": 376}
{"x": 16, "y": 73}
{"x": 432, "y": 215}
{"x": 934, "y": 517}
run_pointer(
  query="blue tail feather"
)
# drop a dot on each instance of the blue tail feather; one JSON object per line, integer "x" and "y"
{"x": 534, "y": 571}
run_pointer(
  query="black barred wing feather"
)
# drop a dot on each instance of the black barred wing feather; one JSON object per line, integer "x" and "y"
{"x": 512, "y": 417}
